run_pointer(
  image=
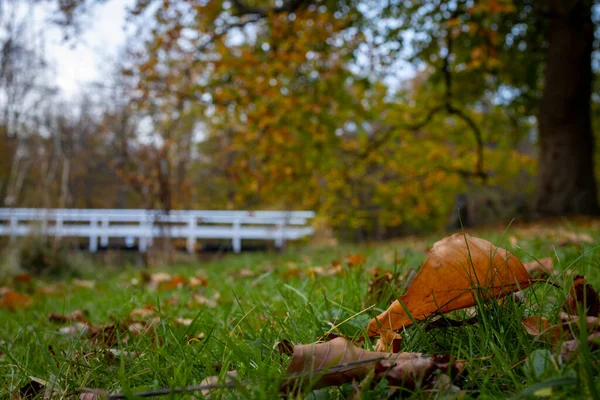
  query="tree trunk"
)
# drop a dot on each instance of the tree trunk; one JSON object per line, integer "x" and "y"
{"x": 566, "y": 184}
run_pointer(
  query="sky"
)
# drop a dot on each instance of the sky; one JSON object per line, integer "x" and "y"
{"x": 89, "y": 57}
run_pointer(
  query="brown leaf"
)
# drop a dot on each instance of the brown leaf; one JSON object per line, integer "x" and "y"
{"x": 339, "y": 361}
{"x": 541, "y": 268}
{"x": 198, "y": 281}
{"x": 77, "y": 315}
{"x": 571, "y": 347}
{"x": 31, "y": 390}
{"x": 568, "y": 321}
{"x": 175, "y": 282}
{"x": 537, "y": 325}
{"x": 354, "y": 260}
{"x": 572, "y": 238}
{"x": 285, "y": 347}
{"x": 582, "y": 295}
{"x": 459, "y": 268}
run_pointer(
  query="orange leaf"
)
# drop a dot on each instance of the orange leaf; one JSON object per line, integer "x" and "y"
{"x": 459, "y": 268}
{"x": 354, "y": 260}
{"x": 14, "y": 300}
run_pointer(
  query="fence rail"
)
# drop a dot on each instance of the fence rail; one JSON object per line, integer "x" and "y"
{"x": 143, "y": 225}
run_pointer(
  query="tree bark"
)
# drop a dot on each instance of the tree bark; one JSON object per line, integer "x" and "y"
{"x": 566, "y": 183}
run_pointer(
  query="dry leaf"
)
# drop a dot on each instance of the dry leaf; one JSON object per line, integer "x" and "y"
{"x": 575, "y": 239}
{"x": 175, "y": 282}
{"x": 568, "y": 321}
{"x": 354, "y": 260}
{"x": 243, "y": 273}
{"x": 571, "y": 347}
{"x": 339, "y": 361}
{"x": 198, "y": 281}
{"x": 458, "y": 269}
{"x": 77, "y": 315}
{"x": 142, "y": 313}
{"x": 200, "y": 299}
{"x": 230, "y": 377}
{"x": 582, "y": 295}
{"x": 14, "y": 300}
{"x": 79, "y": 329}
{"x": 541, "y": 268}
{"x": 84, "y": 284}
{"x": 537, "y": 325}
{"x": 285, "y": 347}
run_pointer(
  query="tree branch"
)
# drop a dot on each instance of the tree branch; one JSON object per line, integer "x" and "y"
{"x": 451, "y": 109}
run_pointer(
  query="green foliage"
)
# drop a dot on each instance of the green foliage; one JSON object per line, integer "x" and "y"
{"x": 296, "y": 112}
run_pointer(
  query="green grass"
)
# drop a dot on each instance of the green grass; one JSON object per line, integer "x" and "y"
{"x": 254, "y": 313}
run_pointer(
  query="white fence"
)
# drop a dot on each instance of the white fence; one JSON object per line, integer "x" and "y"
{"x": 144, "y": 225}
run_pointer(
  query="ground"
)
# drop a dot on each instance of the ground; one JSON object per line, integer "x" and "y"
{"x": 142, "y": 330}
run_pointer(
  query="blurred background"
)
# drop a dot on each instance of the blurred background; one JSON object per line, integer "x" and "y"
{"x": 384, "y": 117}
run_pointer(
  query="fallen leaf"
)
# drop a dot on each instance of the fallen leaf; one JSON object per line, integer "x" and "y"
{"x": 537, "y": 325}
{"x": 230, "y": 377}
{"x": 355, "y": 260}
{"x": 143, "y": 313}
{"x": 183, "y": 321}
{"x": 285, "y": 347}
{"x": 458, "y": 269}
{"x": 83, "y": 283}
{"x": 383, "y": 283}
{"x": 320, "y": 271}
{"x": 243, "y": 273}
{"x": 154, "y": 280}
{"x": 77, "y": 315}
{"x": 572, "y": 238}
{"x": 31, "y": 390}
{"x": 568, "y": 321}
{"x": 541, "y": 268}
{"x": 79, "y": 329}
{"x": 173, "y": 283}
{"x": 582, "y": 295}
{"x": 339, "y": 361}
{"x": 200, "y": 299}
{"x": 198, "y": 281}
{"x": 571, "y": 347}
{"x": 14, "y": 300}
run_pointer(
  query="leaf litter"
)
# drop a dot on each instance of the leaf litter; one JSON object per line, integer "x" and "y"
{"x": 460, "y": 271}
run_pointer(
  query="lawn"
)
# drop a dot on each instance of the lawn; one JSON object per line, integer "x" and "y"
{"x": 141, "y": 330}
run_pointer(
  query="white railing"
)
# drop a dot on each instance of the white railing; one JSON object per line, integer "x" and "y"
{"x": 144, "y": 225}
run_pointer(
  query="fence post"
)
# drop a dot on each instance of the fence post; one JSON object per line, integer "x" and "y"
{"x": 58, "y": 226}
{"x": 280, "y": 238}
{"x": 191, "y": 239}
{"x": 14, "y": 223}
{"x": 145, "y": 225}
{"x": 93, "y": 234}
{"x": 237, "y": 238}
{"x": 104, "y": 237}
